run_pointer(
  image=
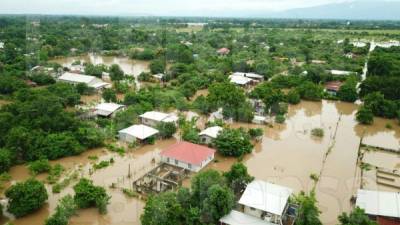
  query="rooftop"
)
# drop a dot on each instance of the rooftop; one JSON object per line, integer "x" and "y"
{"x": 188, "y": 152}
{"x": 333, "y": 85}
{"x": 266, "y": 196}
{"x": 77, "y": 78}
{"x": 239, "y": 218}
{"x": 211, "y": 131}
{"x": 379, "y": 203}
{"x": 249, "y": 75}
{"x": 105, "y": 109}
{"x": 159, "y": 116}
{"x": 139, "y": 131}
{"x": 240, "y": 80}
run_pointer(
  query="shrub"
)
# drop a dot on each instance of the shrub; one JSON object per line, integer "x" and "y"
{"x": 167, "y": 130}
{"x": 88, "y": 195}
{"x": 293, "y": 97}
{"x": 26, "y": 197}
{"x": 365, "y": 116}
{"x": 317, "y": 132}
{"x": 39, "y": 166}
{"x": 280, "y": 118}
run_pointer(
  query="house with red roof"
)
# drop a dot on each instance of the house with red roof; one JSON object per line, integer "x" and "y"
{"x": 187, "y": 155}
{"x": 333, "y": 87}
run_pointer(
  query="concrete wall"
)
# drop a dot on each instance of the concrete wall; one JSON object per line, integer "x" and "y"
{"x": 148, "y": 122}
{"x": 206, "y": 139}
{"x": 256, "y": 212}
{"x": 126, "y": 138}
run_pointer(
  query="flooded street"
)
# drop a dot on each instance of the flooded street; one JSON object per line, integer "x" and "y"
{"x": 287, "y": 155}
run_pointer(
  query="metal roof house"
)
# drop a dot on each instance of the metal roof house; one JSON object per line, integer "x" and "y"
{"x": 240, "y": 80}
{"x": 209, "y": 134}
{"x": 262, "y": 203}
{"x": 187, "y": 155}
{"x": 136, "y": 133}
{"x": 90, "y": 81}
{"x": 249, "y": 75}
{"x": 382, "y": 206}
{"x": 153, "y": 118}
{"x": 108, "y": 109}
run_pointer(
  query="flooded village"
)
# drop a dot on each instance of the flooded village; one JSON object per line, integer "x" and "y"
{"x": 319, "y": 146}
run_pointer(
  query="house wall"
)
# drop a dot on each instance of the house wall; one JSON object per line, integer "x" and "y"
{"x": 126, "y": 138}
{"x": 206, "y": 139}
{"x": 193, "y": 168}
{"x": 149, "y": 122}
{"x": 253, "y": 212}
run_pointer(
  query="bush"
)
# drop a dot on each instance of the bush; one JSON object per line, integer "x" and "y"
{"x": 26, "y": 197}
{"x": 88, "y": 195}
{"x": 5, "y": 160}
{"x": 39, "y": 166}
{"x": 255, "y": 132}
{"x": 167, "y": 130}
{"x": 293, "y": 97}
{"x": 157, "y": 66}
{"x": 109, "y": 95}
{"x": 42, "y": 79}
{"x": 64, "y": 210}
{"x": 365, "y": 116}
{"x": 317, "y": 132}
{"x": 280, "y": 118}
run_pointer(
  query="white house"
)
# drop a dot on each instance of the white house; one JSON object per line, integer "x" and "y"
{"x": 341, "y": 72}
{"x": 136, "y": 133}
{"x": 263, "y": 203}
{"x": 253, "y": 76}
{"x": 380, "y": 205}
{"x": 187, "y": 155}
{"x": 108, "y": 109}
{"x": 209, "y": 134}
{"x": 90, "y": 81}
{"x": 153, "y": 118}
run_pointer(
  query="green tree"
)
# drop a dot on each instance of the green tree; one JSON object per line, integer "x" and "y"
{"x": 218, "y": 203}
{"x": 356, "y": 217}
{"x": 6, "y": 160}
{"x": 167, "y": 130}
{"x": 116, "y": 73}
{"x": 308, "y": 213}
{"x": 233, "y": 142}
{"x": 310, "y": 91}
{"x": 238, "y": 177}
{"x": 365, "y": 115}
{"x": 26, "y": 197}
{"x": 202, "y": 182}
{"x": 348, "y": 91}
{"x": 88, "y": 195}
{"x": 162, "y": 209}
{"x": 39, "y": 166}
{"x": 157, "y": 66}
{"x": 109, "y": 95}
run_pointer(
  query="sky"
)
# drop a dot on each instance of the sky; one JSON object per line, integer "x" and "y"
{"x": 152, "y": 7}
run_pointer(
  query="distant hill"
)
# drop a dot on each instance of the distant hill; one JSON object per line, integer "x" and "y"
{"x": 354, "y": 10}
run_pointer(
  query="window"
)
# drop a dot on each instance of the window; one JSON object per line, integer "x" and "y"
{"x": 204, "y": 140}
{"x": 190, "y": 166}
{"x": 167, "y": 160}
{"x": 176, "y": 162}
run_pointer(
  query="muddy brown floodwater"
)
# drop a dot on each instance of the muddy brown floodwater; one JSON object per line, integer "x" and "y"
{"x": 286, "y": 155}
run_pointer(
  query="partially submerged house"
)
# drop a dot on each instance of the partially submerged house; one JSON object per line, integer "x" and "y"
{"x": 263, "y": 203}
{"x": 187, "y": 155}
{"x": 333, "y": 87}
{"x": 90, "y": 81}
{"x": 154, "y": 118}
{"x": 209, "y": 134}
{"x": 381, "y": 206}
{"x": 108, "y": 109}
{"x": 137, "y": 133}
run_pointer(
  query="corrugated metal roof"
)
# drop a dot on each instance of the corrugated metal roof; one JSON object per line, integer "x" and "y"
{"x": 266, "y": 196}
{"x": 379, "y": 203}
{"x": 106, "y": 109}
{"x": 77, "y": 78}
{"x": 139, "y": 131}
{"x": 239, "y": 218}
{"x": 212, "y": 131}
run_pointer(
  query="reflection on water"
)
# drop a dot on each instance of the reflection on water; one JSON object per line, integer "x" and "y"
{"x": 286, "y": 155}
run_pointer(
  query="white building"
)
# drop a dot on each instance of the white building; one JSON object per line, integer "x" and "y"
{"x": 249, "y": 75}
{"x": 262, "y": 203}
{"x": 108, "y": 109}
{"x": 209, "y": 134}
{"x": 341, "y": 72}
{"x": 1, "y": 45}
{"x": 90, "y": 81}
{"x": 137, "y": 133}
{"x": 380, "y": 204}
{"x": 240, "y": 80}
{"x": 153, "y": 118}
{"x": 187, "y": 155}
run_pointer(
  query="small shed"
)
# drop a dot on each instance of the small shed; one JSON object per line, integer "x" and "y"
{"x": 209, "y": 134}
{"x": 108, "y": 109}
{"x": 187, "y": 155}
{"x": 137, "y": 133}
{"x": 333, "y": 87}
